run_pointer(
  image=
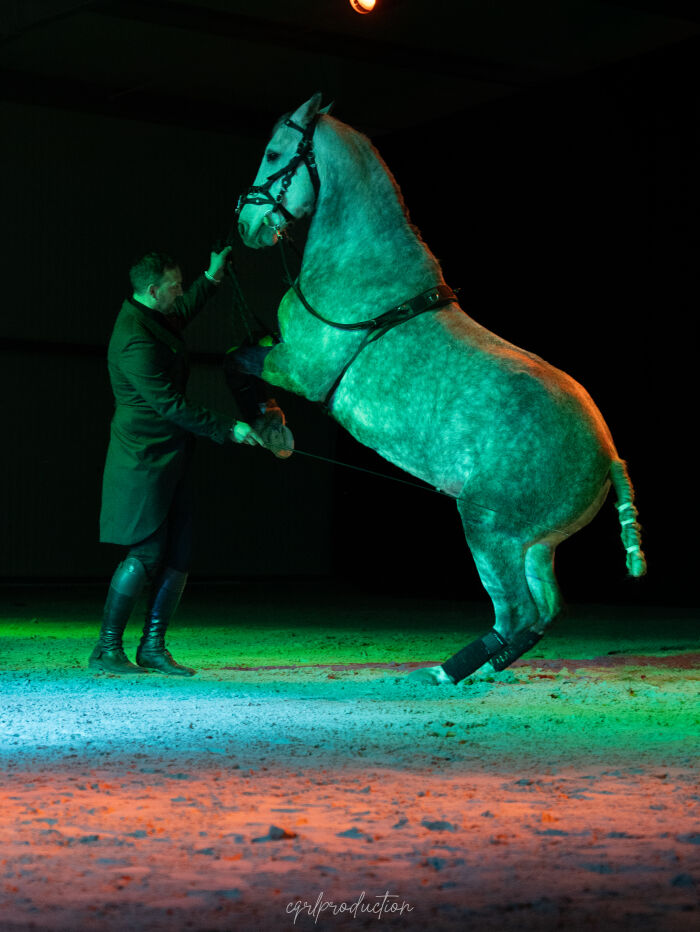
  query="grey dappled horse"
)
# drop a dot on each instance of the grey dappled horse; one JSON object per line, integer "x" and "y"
{"x": 371, "y": 329}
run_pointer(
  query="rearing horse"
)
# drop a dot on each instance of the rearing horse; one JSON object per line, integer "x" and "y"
{"x": 371, "y": 328}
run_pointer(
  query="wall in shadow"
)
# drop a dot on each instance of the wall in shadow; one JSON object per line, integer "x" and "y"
{"x": 86, "y": 197}
{"x": 568, "y": 219}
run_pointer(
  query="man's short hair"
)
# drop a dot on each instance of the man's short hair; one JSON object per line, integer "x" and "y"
{"x": 150, "y": 270}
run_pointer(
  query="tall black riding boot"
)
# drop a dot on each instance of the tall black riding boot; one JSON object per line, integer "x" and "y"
{"x": 165, "y": 598}
{"x": 108, "y": 654}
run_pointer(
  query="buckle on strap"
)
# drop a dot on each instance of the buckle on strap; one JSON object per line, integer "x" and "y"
{"x": 377, "y": 327}
{"x": 425, "y": 301}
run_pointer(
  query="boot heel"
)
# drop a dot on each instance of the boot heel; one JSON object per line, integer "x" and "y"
{"x": 112, "y": 661}
{"x": 152, "y": 653}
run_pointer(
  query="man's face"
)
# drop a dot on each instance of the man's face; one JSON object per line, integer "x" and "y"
{"x": 169, "y": 289}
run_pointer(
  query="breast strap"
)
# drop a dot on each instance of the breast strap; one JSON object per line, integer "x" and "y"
{"x": 377, "y": 327}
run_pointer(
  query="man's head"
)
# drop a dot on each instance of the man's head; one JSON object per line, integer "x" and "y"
{"x": 157, "y": 281}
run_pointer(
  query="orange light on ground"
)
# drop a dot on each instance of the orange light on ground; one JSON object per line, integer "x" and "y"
{"x": 363, "y": 6}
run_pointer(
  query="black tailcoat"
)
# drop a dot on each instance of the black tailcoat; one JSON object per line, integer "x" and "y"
{"x": 153, "y": 427}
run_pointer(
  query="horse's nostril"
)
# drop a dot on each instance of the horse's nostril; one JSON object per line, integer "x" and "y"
{"x": 242, "y": 228}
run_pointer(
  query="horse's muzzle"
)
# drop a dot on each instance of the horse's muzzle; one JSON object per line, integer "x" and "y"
{"x": 259, "y": 236}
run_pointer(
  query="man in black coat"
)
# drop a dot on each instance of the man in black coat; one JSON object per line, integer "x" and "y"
{"x": 147, "y": 484}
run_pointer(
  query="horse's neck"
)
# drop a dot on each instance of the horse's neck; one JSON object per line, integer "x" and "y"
{"x": 360, "y": 242}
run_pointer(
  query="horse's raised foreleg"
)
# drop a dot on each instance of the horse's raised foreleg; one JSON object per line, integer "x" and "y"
{"x": 291, "y": 371}
{"x": 243, "y": 370}
{"x": 243, "y": 373}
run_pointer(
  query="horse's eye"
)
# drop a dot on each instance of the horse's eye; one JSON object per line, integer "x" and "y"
{"x": 272, "y": 156}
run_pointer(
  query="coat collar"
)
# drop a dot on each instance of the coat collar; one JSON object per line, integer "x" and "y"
{"x": 157, "y": 323}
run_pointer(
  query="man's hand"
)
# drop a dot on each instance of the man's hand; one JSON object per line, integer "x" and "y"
{"x": 244, "y": 433}
{"x": 217, "y": 263}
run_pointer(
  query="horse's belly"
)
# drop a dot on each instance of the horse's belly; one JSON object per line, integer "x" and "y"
{"x": 502, "y": 423}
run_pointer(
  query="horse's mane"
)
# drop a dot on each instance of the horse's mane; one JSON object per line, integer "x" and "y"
{"x": 348, "y": 156}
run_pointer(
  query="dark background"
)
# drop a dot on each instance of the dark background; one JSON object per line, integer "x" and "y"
{"x": 551, "y": 165}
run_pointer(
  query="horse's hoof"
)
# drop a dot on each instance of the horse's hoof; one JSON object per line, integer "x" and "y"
{"x": 434, "y": 676}
{"x": 272, "y": 429}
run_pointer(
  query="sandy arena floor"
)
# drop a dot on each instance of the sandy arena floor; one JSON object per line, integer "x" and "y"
{"x": 300, "y": 781}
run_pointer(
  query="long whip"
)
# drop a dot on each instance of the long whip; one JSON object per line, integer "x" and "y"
{"x": 372, "y": 472}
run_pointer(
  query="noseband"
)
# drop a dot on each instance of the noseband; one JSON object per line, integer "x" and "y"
{"x": 304, "y": 155}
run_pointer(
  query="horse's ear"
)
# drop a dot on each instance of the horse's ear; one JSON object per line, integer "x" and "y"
{"x": 327, "y": 109}
{"x": 305, "y": 114}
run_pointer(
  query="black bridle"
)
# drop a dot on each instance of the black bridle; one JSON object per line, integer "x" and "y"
{"x": 262, "y": 193}
{"x": 376, "y": 327}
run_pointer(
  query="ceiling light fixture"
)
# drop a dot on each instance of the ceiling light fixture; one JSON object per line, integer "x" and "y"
{"x": 363, "y": 6}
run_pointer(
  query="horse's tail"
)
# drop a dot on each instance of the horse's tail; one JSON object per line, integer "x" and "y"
{"x": 630, "y": 530}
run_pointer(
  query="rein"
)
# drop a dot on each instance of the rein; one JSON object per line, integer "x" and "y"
{"x": 372, "y": 472}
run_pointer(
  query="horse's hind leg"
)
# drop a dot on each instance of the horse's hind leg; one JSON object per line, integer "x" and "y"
{"x": 542, "y": 582}
{"x": 520, "y": 590}
{"x": 500, "y": 558}
{"x": 501, "y": 563}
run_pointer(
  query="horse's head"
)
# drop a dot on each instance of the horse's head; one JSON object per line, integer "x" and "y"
{"x": 287, "y": 183}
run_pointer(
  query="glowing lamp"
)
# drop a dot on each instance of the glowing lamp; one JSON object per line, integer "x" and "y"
{"x": 363, "y": 6}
